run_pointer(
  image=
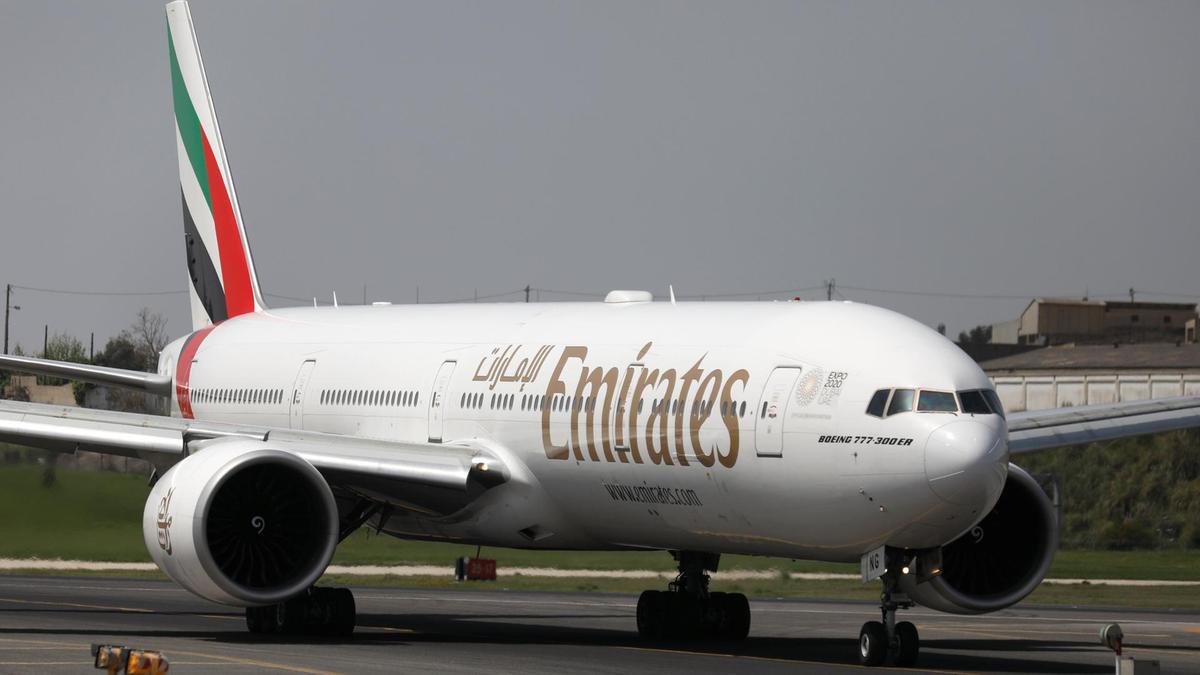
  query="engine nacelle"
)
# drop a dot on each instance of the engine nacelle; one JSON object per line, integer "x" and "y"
{"x": 241, "y": 524}
{"x": 999, "y": 561}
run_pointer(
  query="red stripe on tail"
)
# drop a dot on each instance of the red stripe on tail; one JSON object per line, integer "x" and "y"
{"x": 235, "y": 272}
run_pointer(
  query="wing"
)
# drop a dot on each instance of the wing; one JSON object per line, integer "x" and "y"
{"x": 428, "y": 477}
{"x": 1040, "y": 429}
{"x": 85, "y": 372}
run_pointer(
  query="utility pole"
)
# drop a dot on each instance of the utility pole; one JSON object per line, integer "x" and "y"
{"x": 7, "y": 311}
{"x": 92, "y": 349}
{"x": 46, "y": 341}
{"x": 1131, "y": 294}
{"x": 526, "y": 292}
{"x": 829, "y": 286}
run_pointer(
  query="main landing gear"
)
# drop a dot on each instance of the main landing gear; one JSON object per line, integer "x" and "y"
{"x": 317, "y": 611}
{"x": 688, "y": 610}
{"x": 877, "y": 641}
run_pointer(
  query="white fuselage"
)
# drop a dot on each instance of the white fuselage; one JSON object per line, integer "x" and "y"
{"x": 722, "y": 427}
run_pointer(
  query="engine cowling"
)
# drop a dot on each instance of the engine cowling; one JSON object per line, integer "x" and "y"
{"x": 999, "y": 561}
{"x": 241, "y": 524}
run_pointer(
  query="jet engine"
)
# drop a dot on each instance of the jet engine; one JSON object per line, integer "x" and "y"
{"x": 999, "y": 561}
{"x": 241, "y": 524}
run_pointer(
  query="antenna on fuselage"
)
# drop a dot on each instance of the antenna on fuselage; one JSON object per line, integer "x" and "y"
{"x": 671, "y": 290}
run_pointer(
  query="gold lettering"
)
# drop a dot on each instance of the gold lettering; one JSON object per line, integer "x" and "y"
{"x": 662, "y": 453}
{"x": 556, "y": 387}
{"x": 731, "y": 420}
{"x": 705, "y": 404}
{"x": 646, "y": 382}
{"x": 594, "y": 378}
{"x": 693, "y": 374}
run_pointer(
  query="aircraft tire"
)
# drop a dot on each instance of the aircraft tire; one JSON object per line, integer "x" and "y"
{"x": 344, "y": 612}
{"x": 736, "y": 609}
{"x": 651, "y": 615}
{"x": 260, "y": 620}
{"x": 908, "y": 644}
{"x": 872, "y": 644}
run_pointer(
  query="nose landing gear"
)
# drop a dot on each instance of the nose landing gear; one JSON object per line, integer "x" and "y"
{"x": 879, "y": 640}
{"x": 688, "y": 610}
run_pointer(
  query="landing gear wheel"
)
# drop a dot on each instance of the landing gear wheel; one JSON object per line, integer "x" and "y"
{"x": 651, "y": 614}
{"x": 260, "y": 620}
{"x": 344, "y": 612}
{"x": 872, "y": 644}
{"x": 736, "y": 608}
{"x": 317, "y": 611}
{"x": 290, "y": 615}
{"x": 907, "y": 644}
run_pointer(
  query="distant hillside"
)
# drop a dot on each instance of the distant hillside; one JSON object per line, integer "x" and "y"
{"x": 1134, "y": 493}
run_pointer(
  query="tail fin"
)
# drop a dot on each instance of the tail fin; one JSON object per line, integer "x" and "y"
{"x": 223, "y": 282}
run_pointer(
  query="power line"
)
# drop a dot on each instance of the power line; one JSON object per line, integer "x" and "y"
{"x": 59, "y": 291}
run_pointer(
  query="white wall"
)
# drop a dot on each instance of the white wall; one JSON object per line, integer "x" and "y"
{"x": 1039, "y": 392}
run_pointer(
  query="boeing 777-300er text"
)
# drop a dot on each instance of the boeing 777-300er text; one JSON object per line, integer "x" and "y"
{"x": 815, "y": 430}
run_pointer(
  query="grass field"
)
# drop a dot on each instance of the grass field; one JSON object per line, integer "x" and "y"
{"x": 97, "y": 516}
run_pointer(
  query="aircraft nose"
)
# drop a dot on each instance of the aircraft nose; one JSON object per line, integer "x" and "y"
{"x": 966, "y": 461}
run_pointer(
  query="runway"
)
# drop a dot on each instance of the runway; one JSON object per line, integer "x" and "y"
{"x": 47, "y": 624}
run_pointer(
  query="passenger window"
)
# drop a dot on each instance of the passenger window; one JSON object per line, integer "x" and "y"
{"x": 973, "y": 403}
{"x": 994, "y": 401}
{"x": 878, "y": 403}
{"x": 902, "y": 402}
{"x": 936, "y": 401}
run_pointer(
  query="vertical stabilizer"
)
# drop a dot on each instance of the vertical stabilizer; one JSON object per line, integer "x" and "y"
{"x": 221, "y": 273}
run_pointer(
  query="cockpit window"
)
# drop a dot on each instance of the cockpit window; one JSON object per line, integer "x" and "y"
{"x": 994, "y": 401}
{"x": 973, "y": 403}
{"x": 902, "y": 401}
{"x": 878, "y": 402}
{"x": 936, "y": 401}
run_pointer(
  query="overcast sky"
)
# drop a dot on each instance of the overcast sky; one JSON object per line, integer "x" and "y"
{"x": 1013, "y": 149}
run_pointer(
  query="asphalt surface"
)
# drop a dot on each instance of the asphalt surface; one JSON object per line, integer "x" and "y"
{"x": 48, "y": 623}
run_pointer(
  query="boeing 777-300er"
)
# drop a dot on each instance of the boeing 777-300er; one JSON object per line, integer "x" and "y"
{"x": 809, "y": 430}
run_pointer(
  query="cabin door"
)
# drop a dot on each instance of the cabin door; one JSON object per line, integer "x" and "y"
{"x": 297, "y": 403}
{"x": 437, "y": 401}
{"x": 769, "y": 416}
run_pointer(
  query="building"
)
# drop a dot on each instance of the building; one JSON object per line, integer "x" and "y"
{"x": 40, "y": 393}
{"x": 1076, "y": 375}
{"x": 1055, "y": 321}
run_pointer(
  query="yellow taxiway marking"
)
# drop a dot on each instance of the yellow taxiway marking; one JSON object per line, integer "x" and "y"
{"x": 221, "y": 659}
{"x": 237, "y": 660}
{"x": 665, "y": 650}
{"x": 59, "y": 603}
{"x": 46, "y": 663}
{"x": 997, "y": 628}
{"x": 388, "y": 629}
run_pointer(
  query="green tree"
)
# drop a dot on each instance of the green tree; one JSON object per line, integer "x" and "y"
{"x": 979, "y": 335}
{"x": 1131, "y": 493}
{"x": 63, "y": 347}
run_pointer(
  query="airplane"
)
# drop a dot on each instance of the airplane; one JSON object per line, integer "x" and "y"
{"x": 829, "y": 431}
